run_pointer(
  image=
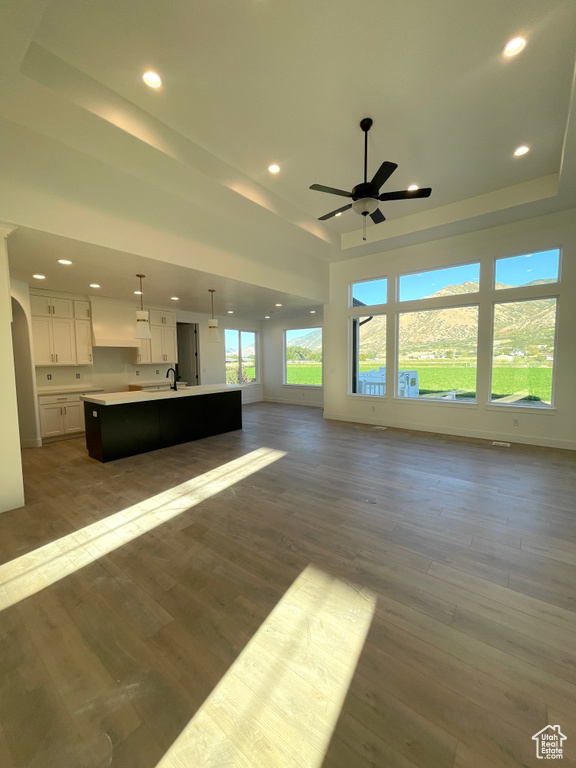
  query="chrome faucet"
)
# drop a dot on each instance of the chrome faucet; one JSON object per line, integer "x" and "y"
{"x": 173, "y": 386}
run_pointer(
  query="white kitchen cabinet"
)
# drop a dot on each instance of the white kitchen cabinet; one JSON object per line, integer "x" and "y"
{"x": 163, "y": 344}
{"x": 162, "y": 317}
{"x": 81, "y": 310}
{"x": 83, "y": 331}
{"x": 144, "y": 352}
{"x": 61, "y": 415}
{"x": 54, "y": 341}
{"x": 51, "y": 306}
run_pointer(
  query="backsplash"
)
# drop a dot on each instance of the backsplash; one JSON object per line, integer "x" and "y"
{"x": 113, "y": 370}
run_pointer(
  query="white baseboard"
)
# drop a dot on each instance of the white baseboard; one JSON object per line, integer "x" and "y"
{"x": 32, "y": 442}
{"x": 545, "y": 442}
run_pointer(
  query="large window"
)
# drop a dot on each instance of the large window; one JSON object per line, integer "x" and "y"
{"x": 437, "y": 353}
{"x": 303, "y": 357}
{"x": 240, "y": 356}
{"x": 369, "y": 355}
{"x": 436, "y": 283}
{"x": 369, "y": 292}
{"x": 436, "y": 356}
{"x": 523, "y": 352}
{"x": 530, "y": 269}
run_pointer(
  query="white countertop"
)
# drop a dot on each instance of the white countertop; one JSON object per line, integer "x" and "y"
{"x": 121, "y": 398}
{"x": 66, "y": 390}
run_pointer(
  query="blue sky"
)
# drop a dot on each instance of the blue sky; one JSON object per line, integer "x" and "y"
{"x": 291, "y": 335}
{"x": 231, "y": 340}
{"x": 519, "y": 270}
{"x": 516, "y": 270}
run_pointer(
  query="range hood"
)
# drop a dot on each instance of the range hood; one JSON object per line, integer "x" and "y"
{"x": 113, "y": 323}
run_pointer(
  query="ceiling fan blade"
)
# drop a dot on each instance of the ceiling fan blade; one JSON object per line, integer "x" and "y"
{"x": 333, "y": 213}
{"x": 330, "y": 190}
{"x": 377, "y": 217}
{"x": 383, "y": 174}
{"x": 406, "y": 194}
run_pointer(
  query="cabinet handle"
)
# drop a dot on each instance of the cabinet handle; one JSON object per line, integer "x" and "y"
{"x": 64, "y": 410}
{"x": 56, "y": 357}
{"x": 90, "y": 356}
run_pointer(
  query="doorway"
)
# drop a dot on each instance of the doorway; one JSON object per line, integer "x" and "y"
{"x": 188, "y": 366}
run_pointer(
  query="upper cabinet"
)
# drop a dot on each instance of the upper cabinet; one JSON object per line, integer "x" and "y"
{"x": 51, "y": 306}
{"x": 161, "y": 317}
{"x": 81, "y": 310}
{"x": 61, "y": 330}
{"x": 163, "y": 346}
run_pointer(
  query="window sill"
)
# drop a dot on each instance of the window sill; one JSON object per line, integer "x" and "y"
{"x": 443, "y": 403}
{"x": 304, "y": 386}
{"x": 246, "y": 385}
{"x": 515, "y": 407}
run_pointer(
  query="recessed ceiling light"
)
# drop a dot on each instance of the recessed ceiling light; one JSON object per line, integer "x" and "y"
{"x": 94, "y": 285}
{"x": 312, "y": 311}
{"x": 514, "y": 46}
{"x": 138, "y": 293}
{"x": 274, "y": 168}
{"x": 230, "y": 311}
{"x": 266, "y": 317}
{"x": 519, "y": 151}
{"x": 278, "y": 305}
{"x": 174, "y": 298}
{"x": 39, "y": 277}
{"x": 152, "y": 79}
{"x": 64, "y": 261}
{"x": 413, "y": 187}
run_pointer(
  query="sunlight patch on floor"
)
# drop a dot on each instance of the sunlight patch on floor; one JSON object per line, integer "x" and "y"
{"x": 30, "y": 573}
{"x": 277, "y": 706}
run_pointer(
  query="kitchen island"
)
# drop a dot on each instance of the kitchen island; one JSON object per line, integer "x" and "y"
{"x": 121, "y": 424}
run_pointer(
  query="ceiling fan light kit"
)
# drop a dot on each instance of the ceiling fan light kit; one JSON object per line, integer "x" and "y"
{"x": 366, "y": 196}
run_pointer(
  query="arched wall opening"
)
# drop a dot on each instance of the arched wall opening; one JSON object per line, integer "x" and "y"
{"x": 24, "y": 371}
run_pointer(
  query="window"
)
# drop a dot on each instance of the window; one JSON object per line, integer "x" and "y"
{"x": 303, "y": 357}
{"x": 530, "y": 269}
{"x": 523, "y": 352}
{"x": 369, "y": 355}
{"x": 437, "y": 352}
{"x": 240, "y": 356}
{"x": 369, "y": 292}
{"x": 450, "y": 281}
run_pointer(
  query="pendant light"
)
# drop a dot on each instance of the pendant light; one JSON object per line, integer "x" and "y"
{"x": 142, "y": 324}
{"x": 213, "y": 333}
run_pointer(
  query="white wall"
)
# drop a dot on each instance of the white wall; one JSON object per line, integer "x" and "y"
{"x": 554, "y": 427}
{"x": 11, "y": 482}
{"x": 275, "y": 390}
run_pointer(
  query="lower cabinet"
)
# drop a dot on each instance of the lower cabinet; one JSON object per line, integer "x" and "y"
{"x": 61, "y": 415}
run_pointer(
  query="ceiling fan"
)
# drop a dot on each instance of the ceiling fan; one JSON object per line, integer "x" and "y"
{"x": 366, "y": 195}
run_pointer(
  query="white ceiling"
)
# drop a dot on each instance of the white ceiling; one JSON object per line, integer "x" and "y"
{"x": 252, "y": 82}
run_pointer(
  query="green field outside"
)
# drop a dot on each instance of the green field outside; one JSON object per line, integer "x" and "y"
{"x": 506, "y": 380}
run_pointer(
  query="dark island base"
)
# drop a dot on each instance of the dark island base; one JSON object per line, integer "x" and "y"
{"x": 117, "y": 431}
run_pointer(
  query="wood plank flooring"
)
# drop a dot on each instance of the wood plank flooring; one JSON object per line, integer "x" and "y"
{"x": 469, "y": 550}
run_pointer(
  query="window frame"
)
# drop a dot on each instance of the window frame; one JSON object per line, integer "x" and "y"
{"x": 285, "y": 381}
{"x": 437, "y": 269}
{"x": 240, "y": 331}
{"x": 544, "y": 407}
{"x": 351, "y": 285}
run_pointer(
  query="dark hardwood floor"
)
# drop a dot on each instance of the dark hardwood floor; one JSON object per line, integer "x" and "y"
{"x": 114, "y": 636}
